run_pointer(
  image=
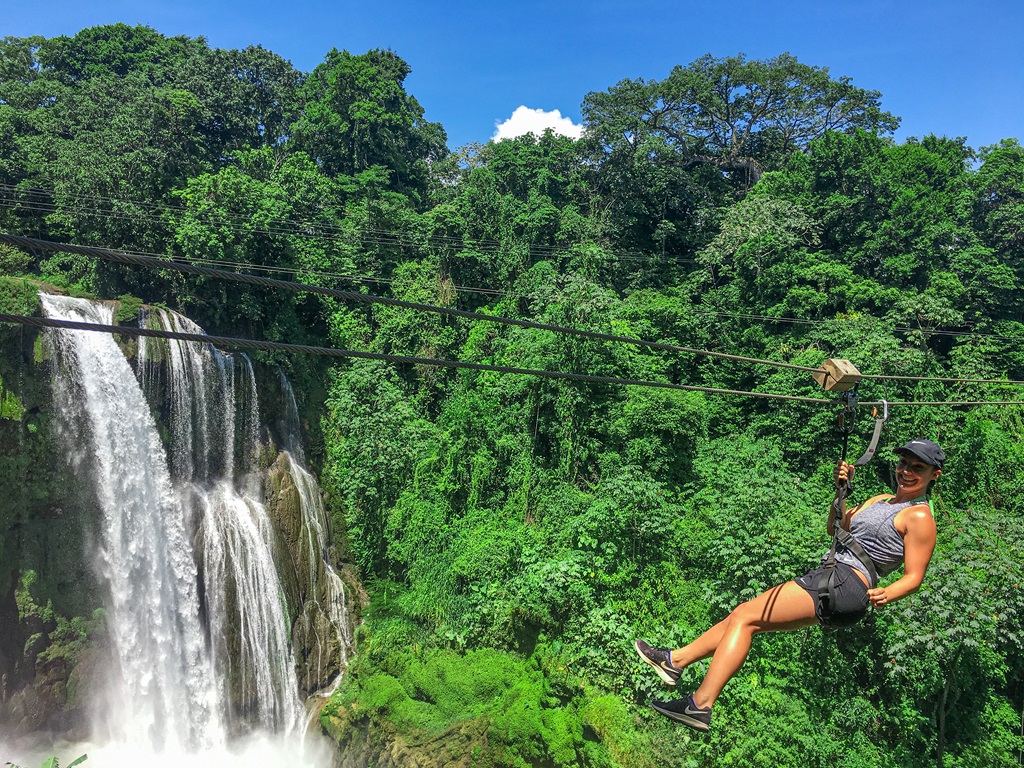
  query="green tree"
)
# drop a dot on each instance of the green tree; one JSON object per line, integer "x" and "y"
{"x": 742, "y": 117}
{"x": 999, "y": 215}
{"x": 254, "y": 213}
{"x": 356, "y": 115}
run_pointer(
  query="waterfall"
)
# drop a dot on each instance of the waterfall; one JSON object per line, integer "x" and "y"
{"x": 244, "y": 597}
{"x": 327, "y": 592}
{"x": 292, "y": 429}
{"x": 198, "y": 616}
{"x": 161, "y": 690}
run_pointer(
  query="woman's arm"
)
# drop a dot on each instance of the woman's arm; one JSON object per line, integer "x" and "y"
{"x": 917, "y": 526}
{"x": 843, "y": 474}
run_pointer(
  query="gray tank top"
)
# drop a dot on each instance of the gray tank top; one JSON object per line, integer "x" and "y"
{"x": 873, "y": 527}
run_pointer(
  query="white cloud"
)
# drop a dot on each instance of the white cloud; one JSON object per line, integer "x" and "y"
{"x": 525, "y": 120}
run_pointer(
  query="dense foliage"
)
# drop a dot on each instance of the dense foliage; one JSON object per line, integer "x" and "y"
{"x": 516, "y": 534}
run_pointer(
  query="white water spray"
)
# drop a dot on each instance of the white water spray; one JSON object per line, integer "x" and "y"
{"x": 197, "y": 614}
{"x": 161, "y": 692}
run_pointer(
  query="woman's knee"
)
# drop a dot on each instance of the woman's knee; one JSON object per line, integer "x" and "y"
{"x": 743, "y": 615}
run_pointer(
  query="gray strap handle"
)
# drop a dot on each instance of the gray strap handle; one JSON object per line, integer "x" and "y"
{"x": 869, "y": 454}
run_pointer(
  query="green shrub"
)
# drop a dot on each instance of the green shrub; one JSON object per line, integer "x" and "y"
{"x": 127, "y": 309}
{"x": 13, "y": 261}
{"x": 18, "y": 297}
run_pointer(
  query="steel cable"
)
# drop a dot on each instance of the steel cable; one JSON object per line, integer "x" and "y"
{"x": 267, "y": 282}
{"x": 275, "y": 346}
{"x": 191, "y": 268}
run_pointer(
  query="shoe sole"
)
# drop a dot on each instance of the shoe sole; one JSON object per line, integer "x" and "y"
{"x": 662, "y": 673}
{"x": 692, "y": 722}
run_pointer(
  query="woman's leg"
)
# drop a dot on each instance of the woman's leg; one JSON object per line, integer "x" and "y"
{"x": 701, "y": 648}
{"x": 785, "y": 607}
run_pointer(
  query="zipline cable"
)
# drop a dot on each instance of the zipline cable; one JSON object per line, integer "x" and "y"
{"x": 940, "y": 379}
{"x": 294, "y": 227}
{"x": 230, "y": 342}
{"x": 275, "y": 346}
{"x": 267, "y": 282}
{"x": 831, "y": 321}
{"x": 386, "y": 237}
{"x": 191, "y": 268}
{"x": 891, "y": 403}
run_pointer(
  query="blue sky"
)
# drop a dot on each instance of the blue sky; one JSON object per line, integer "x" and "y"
{"x": 945, "y": 67}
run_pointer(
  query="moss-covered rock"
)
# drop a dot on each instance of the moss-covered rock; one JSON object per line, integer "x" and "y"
{"x": 439, "y": 707}
{"x": 284, "y": 508}
{"x": 42, "y": 685}
{"x": 128, "y": 309}
{"x": 362, "y": 744}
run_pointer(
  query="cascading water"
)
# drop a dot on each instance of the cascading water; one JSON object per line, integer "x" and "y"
{"x": 291, "y": 429}
{"x": 244, "y": 598}
{"x": 326, "y": 609}
{"x": 197, "y": 613}
{"x": 325, "y": 616}
{"x": 161, "y": 691}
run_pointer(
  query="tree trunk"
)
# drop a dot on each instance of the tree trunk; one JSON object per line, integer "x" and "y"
{"x": 748, "y": 165}
{"x": 940, "y": 746}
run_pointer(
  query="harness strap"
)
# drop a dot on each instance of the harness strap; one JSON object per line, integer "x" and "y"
{"x": 873, "y": 445}
{"x": 825, "y": 585}
{"x": 849, "y": 541}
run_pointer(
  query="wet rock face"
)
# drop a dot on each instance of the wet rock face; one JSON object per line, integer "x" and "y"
{"x": 46, "y": 524}
{"x": 284, "y": 508}
{"x": 320, "y": 650}
{"x": 317, "y": 649}
{"x": 45, "y": 683}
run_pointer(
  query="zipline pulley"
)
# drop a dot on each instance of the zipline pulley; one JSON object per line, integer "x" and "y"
{"x": 837, "y": 375}
{"x": 842, "y": 376}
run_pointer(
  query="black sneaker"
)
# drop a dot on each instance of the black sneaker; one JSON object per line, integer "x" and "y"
{"x": 660, "y": 659}
{"x": 686, "y": 712}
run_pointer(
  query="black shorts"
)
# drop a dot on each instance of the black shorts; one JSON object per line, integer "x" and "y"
{"x": 847, "y": 602}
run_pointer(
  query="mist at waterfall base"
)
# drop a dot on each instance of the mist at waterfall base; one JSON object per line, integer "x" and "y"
{"x": 255, "y": 751}
{"x": 200, "y": 668}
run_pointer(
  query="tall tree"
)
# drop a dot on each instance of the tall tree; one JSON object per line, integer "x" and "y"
{"x": 999, "y": 212}
{"x": 357, "y": 115}
{"x": 741, "y": 117}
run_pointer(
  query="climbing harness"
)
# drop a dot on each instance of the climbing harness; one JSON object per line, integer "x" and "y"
{"x": 840, "y": 535}
{"x": 842, "y": 376}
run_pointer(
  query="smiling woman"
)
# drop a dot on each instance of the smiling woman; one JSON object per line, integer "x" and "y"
{"x": 876, "y": 537}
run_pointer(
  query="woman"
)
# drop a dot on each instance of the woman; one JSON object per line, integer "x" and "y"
{"x": 891, "y": 529}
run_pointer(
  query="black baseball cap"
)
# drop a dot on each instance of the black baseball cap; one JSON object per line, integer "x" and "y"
{"x": 925, "y": 450}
